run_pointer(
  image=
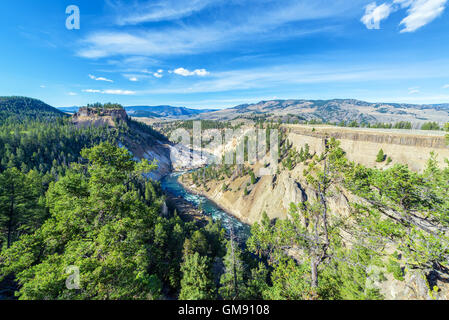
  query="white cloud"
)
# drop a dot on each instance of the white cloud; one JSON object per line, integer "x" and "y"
{"x": 414, "y": 90}
{"x": 157, "y": 75}
{"x": 420, "y": 13}
{"x": 186, "y": 73}
{"x": 254, "y": 20}
{"x": 43, "y": 87}
{"x": 99, "y": 78}
{"x": 119, "y": 92}
{"x": 374, "y": 14}
{"x": 446, "y": 86}
{"x": 72, "y": 94}
{"x": 162, "y": 10}
{"x": 113, "y": 92}
{"x": 133, "y": 79}
{"x": 297, "y": 75}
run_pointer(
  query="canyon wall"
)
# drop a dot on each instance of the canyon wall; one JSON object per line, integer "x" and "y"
{"x": 411, "y": 147}
{"x": 273, "y": 194}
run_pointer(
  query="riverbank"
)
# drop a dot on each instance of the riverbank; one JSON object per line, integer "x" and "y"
{"x": 227, "y": 210}
{"x": 185, "y": 209}
{"x": 188, "y": 201}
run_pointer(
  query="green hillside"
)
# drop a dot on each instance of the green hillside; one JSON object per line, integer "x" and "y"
{"x": 20, "y": 109}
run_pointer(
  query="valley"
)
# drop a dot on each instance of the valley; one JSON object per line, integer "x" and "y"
{"x": 345, "y": 201}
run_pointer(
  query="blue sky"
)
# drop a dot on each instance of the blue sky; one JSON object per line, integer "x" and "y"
{"x": 221, "y": 53}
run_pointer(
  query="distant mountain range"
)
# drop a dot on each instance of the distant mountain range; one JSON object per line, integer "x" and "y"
{"x": 164, "y": 111}
{"x": 336, "y": 110}
{"x": 154, "y": 111}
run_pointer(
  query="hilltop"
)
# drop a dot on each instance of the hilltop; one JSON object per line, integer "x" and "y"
{"x": 19, "y": 109}
{"x": 65, "y": 136}
{"x": 140, "y": 139}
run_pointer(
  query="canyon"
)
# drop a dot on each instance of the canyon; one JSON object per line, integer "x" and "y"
{"x": 273, "y": 194}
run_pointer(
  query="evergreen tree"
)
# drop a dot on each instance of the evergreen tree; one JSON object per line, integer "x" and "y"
{"x": 232, "y": 282}
{"x": 98, "y": 223}
{"x": 380, "y": 156}
{"x": 21, "y": 208}
{"x": 253, "y": 177}
{"x": 196, "y": 283}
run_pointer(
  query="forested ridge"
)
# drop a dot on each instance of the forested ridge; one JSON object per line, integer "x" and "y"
{"x": 19, "y": 109}
{"x": 71, "y": 197}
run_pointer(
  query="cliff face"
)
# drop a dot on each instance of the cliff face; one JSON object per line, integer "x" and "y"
{"x": 142, "y": 145}
{"x": 362, "y": 145}
{"x": 274, "y": 194}
{"x": 98, "y": 117}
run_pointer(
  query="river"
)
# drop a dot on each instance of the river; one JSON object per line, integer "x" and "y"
{"x": 170, "y": 184}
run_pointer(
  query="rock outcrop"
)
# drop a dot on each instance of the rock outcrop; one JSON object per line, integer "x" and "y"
{"x": 87, "y": 116}
{"x": 142, "y": 144}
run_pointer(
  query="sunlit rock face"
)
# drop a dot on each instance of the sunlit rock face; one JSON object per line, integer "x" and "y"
{"x": 142, "y": 145}
{"x": 98, "y": 117}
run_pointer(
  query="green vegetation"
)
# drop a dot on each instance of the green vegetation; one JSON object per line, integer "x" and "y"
{"x": 430, "y": 126}
{"x": 381, "y": 156}
{"x": 379, "y": 125}
{"x": 71, "y": 197}
{"x": 103, "y": 218}
{"x": 105, "y": 106}
{"x": 14, "y": 110}
{"x": 197, "y": 281}
{"x": 400, "y": 207}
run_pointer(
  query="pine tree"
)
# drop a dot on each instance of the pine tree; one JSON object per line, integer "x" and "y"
{"x": 232, "y": 281}
{"x": 196, "y": 283}
{"x": 98, "y": 222}
{"x": 20, "y": 209}
{"x": 253, "y": 177}
{"x": 380, "y": 156}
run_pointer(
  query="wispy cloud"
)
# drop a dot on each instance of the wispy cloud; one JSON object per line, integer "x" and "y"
{"x": 446, "y": 86}
{"x": 72, "y": 94}
{"x": 419, "y": 13}
{"x": 414, "y": 90}
{"x": 374, "y": 14}
{"x": 154, "y": 11}
{"x": 112, "y": 92}
{"x": 186, "y": 73}
{"x": 296, "y": 75}
{"x": 260, "y": 22}
{"x": 99, "y": 78}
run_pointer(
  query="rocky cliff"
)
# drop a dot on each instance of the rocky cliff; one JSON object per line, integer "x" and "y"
{"x": 274, "y": 194}
{"x": 87, "y": 116}
{"x": 143, "y": 144}
{"x": 411, "y": 147}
